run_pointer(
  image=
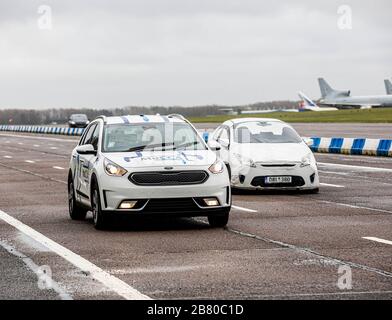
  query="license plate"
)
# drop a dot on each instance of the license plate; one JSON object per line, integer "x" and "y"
{"x": 271, "y": 180}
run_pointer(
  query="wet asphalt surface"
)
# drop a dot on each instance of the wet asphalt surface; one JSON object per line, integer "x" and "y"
{"x": 276, "y": 245}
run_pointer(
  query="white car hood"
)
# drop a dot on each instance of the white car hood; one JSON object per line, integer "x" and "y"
{"x": 272, "y": 152}
{"x": 162, "y": 158}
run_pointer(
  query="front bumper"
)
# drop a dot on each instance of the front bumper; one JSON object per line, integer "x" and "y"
{"x": 303, "y": 178}
{"x": 182, "y": 200}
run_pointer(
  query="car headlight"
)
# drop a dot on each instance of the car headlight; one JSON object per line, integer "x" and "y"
{"x": 217, "y": 167}
{"x": 72, "y": 122}
{"x": 245, "y": 161}
{"x": 113, "y": 169}
{"x": 307, "y": 160}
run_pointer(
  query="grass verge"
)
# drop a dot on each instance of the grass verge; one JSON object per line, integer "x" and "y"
{"x": 381, "y": 115}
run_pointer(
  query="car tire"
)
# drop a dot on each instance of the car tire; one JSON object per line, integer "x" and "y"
{"x": 219, "y": 220}
{"x": 314, "y": 191}
{"x": 76, "y": 212}
{"x": 228, "y": 170}
{"x": 99, "y": 217}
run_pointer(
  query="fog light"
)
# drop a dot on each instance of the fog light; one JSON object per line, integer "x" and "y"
{"x": 127, "y": 204}
{"x": 211, "y": 202}
{"x": 235, "y": 179}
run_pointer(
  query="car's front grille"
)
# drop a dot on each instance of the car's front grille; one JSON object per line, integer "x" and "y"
{"x": 168, "y": 178}
{"x": 296, "y": 181}
{"x": 171, "y": 205}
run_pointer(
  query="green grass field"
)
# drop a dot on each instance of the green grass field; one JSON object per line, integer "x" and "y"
{"x": 382, "y": 115}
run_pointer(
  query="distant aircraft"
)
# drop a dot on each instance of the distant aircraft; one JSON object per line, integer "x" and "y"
{"x": 267, "y": 111}
{"x": 308, "y": 105}
{"x": 388, "y": 86}
{"x": 343, "y": 99}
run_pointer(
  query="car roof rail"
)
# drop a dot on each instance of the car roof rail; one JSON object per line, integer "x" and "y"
{"x": 178, "y": 116}
{"x": 102, "y": 117}
{"x": 181, "y": 117}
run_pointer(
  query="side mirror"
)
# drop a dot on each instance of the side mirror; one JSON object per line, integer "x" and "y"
{"x": 214, "y": 145}
{"x": 308, "y": 141}
{"x": 224, "y": 143}
{"x": 86, "y": 149}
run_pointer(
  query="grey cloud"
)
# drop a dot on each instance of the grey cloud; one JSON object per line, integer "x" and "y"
{"x": 116, "y": 53}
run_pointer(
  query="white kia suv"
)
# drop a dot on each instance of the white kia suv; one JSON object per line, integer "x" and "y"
{"x": 146, "y": 165}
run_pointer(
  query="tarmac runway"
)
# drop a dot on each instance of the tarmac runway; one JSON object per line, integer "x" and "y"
{"x": 276, "y": 245}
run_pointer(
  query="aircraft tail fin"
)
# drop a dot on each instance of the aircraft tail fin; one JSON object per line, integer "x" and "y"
{"x": 306, "y": 102}
{"x": 327, "y": 91}
{"x": 388, "y": 86}
{"x": 325, "y": 88}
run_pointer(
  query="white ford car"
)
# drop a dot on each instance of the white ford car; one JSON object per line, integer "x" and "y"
{"x": 146, "y": 165}
{"x": 265, "y": 154}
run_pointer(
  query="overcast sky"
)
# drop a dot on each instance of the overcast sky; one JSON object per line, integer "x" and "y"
{"x": 188, "y": 52}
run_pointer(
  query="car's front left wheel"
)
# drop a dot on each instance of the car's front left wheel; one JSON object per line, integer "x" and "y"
{"x": 219, "y": 220}
{"x": 99, "y": 217}
{"x": 76, "y": 212}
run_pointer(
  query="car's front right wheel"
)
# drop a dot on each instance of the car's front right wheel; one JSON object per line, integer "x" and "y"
{"x": 219, "y": 220}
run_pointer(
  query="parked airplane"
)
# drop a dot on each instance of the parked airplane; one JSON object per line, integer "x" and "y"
{"x": 343, "y": 99}
{"x": 388, "y": 86}
{"x": 308, "y": 105}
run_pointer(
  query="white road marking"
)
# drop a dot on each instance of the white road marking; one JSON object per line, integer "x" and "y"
{"x": 35, "y": 268}
{"x": 340, "y": 293}
{"x": 8, "y": 157}
{"x": 355, "y": 207}
{"x": 243, "y": 209}
{"x": 53, "y": 148}
{"x": 26, "y": 243}
{"x": 58, "y": 168}
{"x": 32, "y": 173}
{"x": 378, "y": 240}
{"x": 111, "y": 282}
{"x": 332, "y": 185}
{"x": 310, "y": 251}
{"x": 20, "y": 143}
{"x": 158, "y": 269}
{"x": 39, "y": 138}
{"x": 36, "y": 145}
{"x": 355, "y": 168}
{"x": 29, "y": 161}
{"x": 333, "y": 172}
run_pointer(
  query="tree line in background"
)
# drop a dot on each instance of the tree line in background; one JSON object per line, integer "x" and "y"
{"x": 60, "y": 116}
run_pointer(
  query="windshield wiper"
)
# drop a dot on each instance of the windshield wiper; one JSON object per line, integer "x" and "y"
{"x": 184, "y": 145}
{"x": 149, "y": 146}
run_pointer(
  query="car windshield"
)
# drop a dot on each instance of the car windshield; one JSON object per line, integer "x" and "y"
{"x": 265, "y": 132}
{"x": 150, "y": 136}
{"x": 79, "y": 117}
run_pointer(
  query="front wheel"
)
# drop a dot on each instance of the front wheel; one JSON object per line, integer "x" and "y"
{"x": 314, "y": 191}
{"x": 219, "y": 220}
{"x": 99, "y": 218}
{"x": 76, "y": 212}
